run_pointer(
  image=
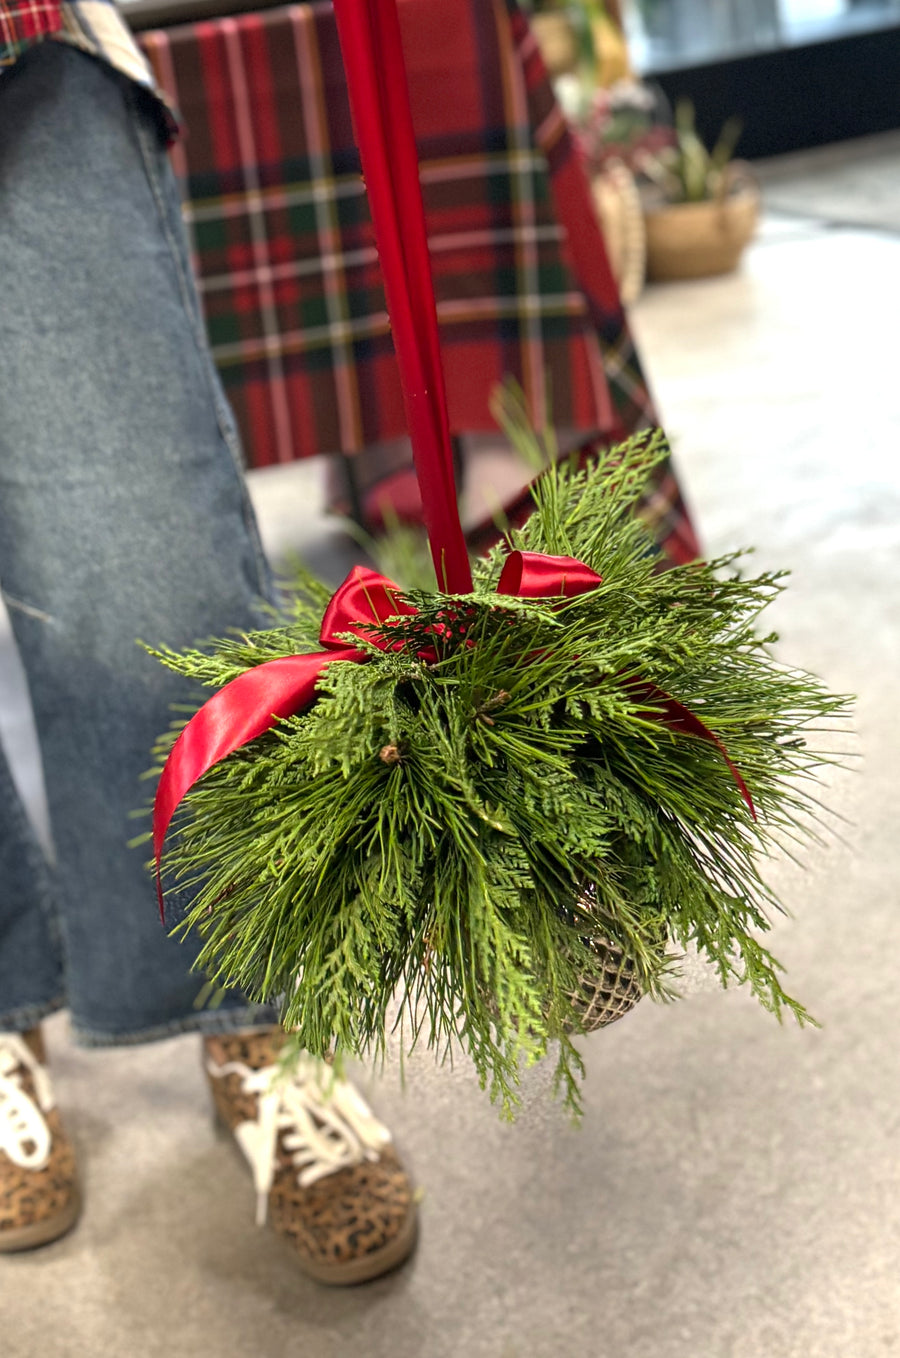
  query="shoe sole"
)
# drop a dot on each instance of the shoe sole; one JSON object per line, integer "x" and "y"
{"x": 370, "y": 1266}
{"x": 37, "y": 1233}
{"x": 363, "y": 1270}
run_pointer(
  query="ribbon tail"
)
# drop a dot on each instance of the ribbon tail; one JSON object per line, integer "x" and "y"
{"x": 676, "y": 717}
{"x": 237, "y": 714}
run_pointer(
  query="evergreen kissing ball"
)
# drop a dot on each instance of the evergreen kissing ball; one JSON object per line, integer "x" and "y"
{"x": 502, "y": 796}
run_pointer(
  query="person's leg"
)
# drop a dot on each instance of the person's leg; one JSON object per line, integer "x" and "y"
{"x": 123, "y": 514}
{"x": 31, "y": 970}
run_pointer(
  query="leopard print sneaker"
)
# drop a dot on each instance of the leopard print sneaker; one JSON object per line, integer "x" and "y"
{"x": 327, "y": 1176}
{"x": 39, "y": 1199}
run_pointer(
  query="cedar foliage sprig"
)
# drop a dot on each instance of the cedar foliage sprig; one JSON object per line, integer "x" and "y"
{"x": 430, "y": 829}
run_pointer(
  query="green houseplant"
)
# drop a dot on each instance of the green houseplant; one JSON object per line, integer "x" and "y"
{"x": 701, "y": 206}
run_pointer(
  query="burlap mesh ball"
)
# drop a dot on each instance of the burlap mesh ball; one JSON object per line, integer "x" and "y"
{"x": 613, "y": 988}
{"x": 611, "y": 992}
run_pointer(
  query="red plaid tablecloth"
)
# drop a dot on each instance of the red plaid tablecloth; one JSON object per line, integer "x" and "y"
{"x": 285, "y": 254}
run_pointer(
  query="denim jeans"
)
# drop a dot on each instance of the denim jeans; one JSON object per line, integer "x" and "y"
{"x": 123, "y": 514}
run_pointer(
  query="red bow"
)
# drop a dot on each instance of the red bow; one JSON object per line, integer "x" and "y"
{"x": 257, "y": 699}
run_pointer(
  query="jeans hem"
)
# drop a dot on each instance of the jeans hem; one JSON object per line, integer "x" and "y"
{"x": 223, "y": 1021}
{"x": 30, "y": 1015}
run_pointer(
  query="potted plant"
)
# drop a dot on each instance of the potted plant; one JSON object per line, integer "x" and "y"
{"x": 700, "y": 207}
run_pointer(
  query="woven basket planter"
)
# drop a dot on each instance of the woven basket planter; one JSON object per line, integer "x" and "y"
{"x": 698, "y": 240}
{"x": 618, "y": 205}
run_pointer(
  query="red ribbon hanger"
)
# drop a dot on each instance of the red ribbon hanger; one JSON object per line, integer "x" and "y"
{"x": 371, "y": 46}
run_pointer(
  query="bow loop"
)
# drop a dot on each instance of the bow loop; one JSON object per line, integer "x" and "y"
{"x": 532, "y": 575}
{"x": 365, "y": 597}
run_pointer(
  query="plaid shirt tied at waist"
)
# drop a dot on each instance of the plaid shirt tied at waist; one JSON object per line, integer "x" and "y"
{"x": 95, "y": 26}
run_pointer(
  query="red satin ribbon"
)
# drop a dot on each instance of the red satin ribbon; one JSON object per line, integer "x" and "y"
{"x": 676, "y": 717}
{"x": 257, "y": 699}
{"x": 369, "y": 34}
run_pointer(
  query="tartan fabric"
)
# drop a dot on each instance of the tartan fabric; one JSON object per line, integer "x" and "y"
{"x": 95, "y": 26}
{"x": 284, "y": 246}
{"x": 23, "y": 22}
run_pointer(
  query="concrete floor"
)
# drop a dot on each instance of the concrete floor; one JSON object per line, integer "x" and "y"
{"x": 734, "y": 1190}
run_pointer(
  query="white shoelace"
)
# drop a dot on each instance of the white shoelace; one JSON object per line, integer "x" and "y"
{"x": 327, "y": 1125}
{"x": 24, "y": 1134}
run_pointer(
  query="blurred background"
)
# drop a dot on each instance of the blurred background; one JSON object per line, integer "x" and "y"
{"x": 734, "y": 1189}
{"x": 665, "y": 34}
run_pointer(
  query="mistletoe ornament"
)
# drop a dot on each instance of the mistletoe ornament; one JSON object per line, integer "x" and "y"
{"x": 503, "y": 801}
